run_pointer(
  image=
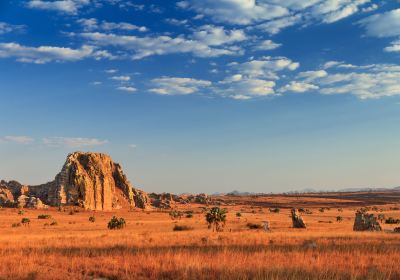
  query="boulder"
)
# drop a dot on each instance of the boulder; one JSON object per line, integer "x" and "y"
{"x": 366, "y": 222}
{"x": 297, "y": 220}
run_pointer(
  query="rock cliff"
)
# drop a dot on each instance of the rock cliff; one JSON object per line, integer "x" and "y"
{"x": 90, "y": 180}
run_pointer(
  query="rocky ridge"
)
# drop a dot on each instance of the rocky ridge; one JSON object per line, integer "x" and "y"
{"x": 92, "y": 181}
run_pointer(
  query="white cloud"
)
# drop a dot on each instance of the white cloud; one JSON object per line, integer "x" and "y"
{"x": 44, "y": 54}
{"x": 121, "y": 78}
{"x": 111, "y": 71}
{"x": 132, "y": 146}
{"x": 300, "y": 87}
{"x": 365, "y": 81}
{"x": 266, "y": 67}
{"x": 267, "y": 45}
{"x": 394, "y": 47}
{"x": 274, "y": 15}
{"x": 235, "y": 11}
{"x": 64, "y": 6}
{"x": 216, "y": 35}
{"x": 8, "y": 28}
{"x": 72, "y": 142}
{"x": 312, "y": 75}
{"x": 275, "y": 26}
{"x": 127, "y": 88}
{"x": 92, "y": 24}
{"x": 382, "y": 25}
{"x": 177, "y": 85}
{"x": 245, "y": 88}
{"x": 17, "y": 139}
{"x": 140, "y": 47}
{"x": 96, "y": 83}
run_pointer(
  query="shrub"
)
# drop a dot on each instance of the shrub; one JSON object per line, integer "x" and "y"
{"x": 254, "y": 226}
{"x": 390, "y": 220}
{"x": 21, "y": 212}
{"x": 44, "y": 217}
{"x": 322, "y": 210}
{"x": 16, "y": 225}
{"x": 25, "y": 221}
{"x": 190, "y": 215}
{"x": 92, "y": 219}
{"x": 116, "y": 223}
{"x": 182, "y": 228}
{"x": 238, "y": 214}
{"x": 216, "y": 218}
{"x": 339, "y": 218}
{"x": 174, "y": 214}
{"x": 54, "y": 223}
{"x": 340, "y": 210}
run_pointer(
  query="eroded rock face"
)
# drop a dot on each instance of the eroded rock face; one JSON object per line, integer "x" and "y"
{"x": 90, "y": 180}
{"x": 297, "y": 220}
{"x": 366, "y": 222}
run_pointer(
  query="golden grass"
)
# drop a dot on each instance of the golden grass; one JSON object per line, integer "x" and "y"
{"x": 148, "y": 248}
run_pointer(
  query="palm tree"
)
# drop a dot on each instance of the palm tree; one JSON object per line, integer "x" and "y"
{"x": 216, "y": 218}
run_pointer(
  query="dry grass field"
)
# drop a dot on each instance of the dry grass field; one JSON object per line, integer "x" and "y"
{"x": 148, "y": 248}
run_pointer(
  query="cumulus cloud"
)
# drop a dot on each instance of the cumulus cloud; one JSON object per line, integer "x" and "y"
{"x": 64, "y": 6}
{"x": 140, "y": 47}
{"x": 121, "y": 78}
{"x": 266, "y": 45}
{"x": 177, "y": 85}
{"x": 45, "y": 54}
{"x": 382, "y": 25}
{"x": 300, "y": 87}
{"x": 8, "y": 28}
{"x": 274, "y": 15}
{"x": 266, "y": 67}
{"x": 127, "y": 88}
{"x": 17, "y": 139}
{"x": 363, "y": 81}
{"x": 71, "y": 142}
{"x": 235, "y": 11}
{"x": 216, "y": 35}
{"x": 92, "y": 24}
{"x": 394, "y": 47}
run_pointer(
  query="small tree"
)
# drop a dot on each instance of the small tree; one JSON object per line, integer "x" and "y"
{"x": 116, "y": 223}
{"x": 25, "y": 221}
{"x": 216, "y": 218}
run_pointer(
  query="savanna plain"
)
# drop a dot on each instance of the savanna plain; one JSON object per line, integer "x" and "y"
{"x": 67, "y": 245}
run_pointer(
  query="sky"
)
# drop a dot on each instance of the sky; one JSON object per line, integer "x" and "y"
{"x": 204, "y": 96}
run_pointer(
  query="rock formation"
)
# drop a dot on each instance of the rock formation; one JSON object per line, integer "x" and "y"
{"x": 90, "y": 180}
{"x": 366, "y": 222}
{"x": 297, "y": 221}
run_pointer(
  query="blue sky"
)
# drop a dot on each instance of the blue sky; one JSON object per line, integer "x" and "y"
{"x": 204, "y": 96}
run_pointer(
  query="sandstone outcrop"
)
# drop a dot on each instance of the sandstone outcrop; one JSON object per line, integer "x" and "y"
{"x": 297, "y": 220}
{"x": 89, "y": 180}
{"x": 366, "y": 222}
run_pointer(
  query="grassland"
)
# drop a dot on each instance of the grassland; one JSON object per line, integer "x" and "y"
{"x": 148, "y": 248}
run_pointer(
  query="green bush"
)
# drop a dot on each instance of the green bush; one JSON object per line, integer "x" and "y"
{"x": 54, "y": 223}
{"x": 174, "y": 214}
{"x": 44, "y": 217}
{"x": 238, "y": 214}
{"x": 16, "y": 225}
{"x": 25, "y": 221}
{"x": 116, "y": 223}
{"x": 21, "y": 212}
{"x": 392, "y": 221}
{"x": 216, "y": 218}
{"x": 339, "y": 218}
{"x": 92, "y": 219}
{"x": 190, "y": 215}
